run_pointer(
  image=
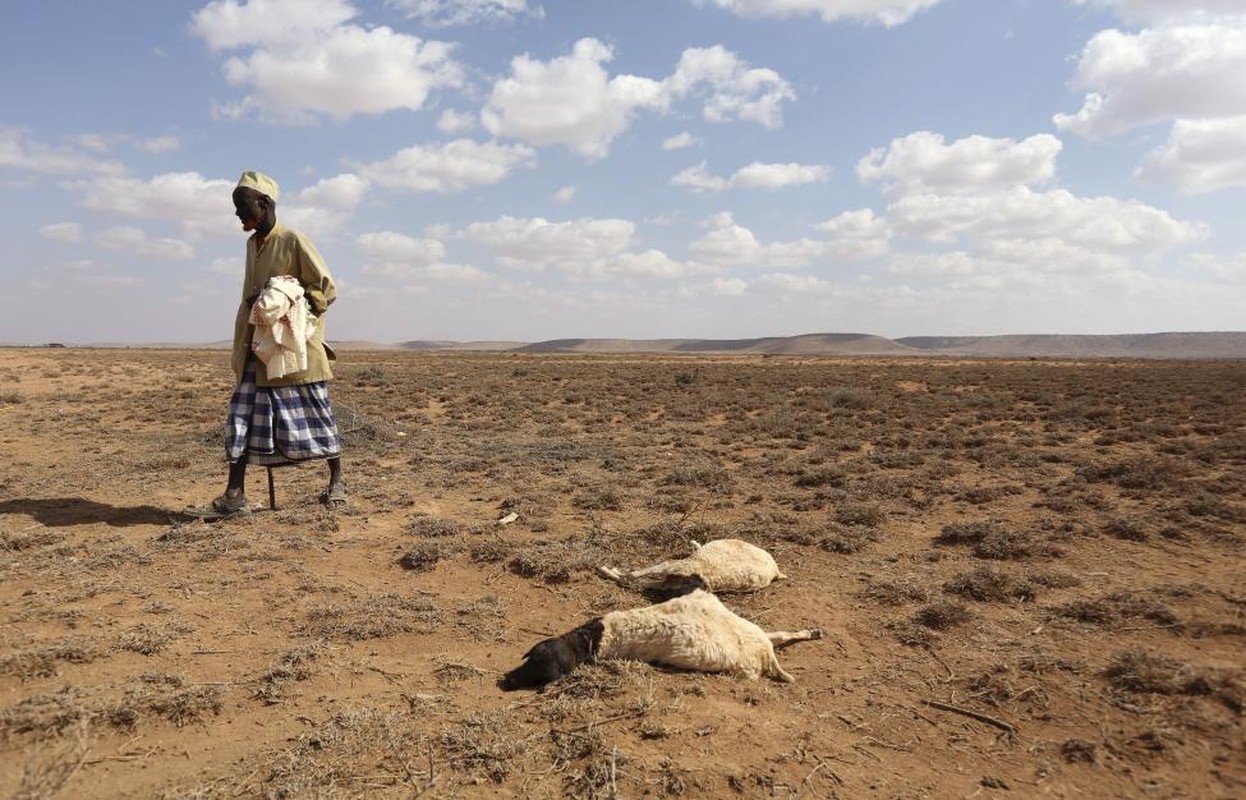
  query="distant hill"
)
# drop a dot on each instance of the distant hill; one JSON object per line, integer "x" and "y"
{"x": 1231, "y": 345}
{"x": 1142, "y": 345}
{"x": 1197, "y": 345}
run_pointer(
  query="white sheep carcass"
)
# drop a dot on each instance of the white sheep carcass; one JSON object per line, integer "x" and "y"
{"x": 725, "y": 565}
{"x": 694, "y": 632}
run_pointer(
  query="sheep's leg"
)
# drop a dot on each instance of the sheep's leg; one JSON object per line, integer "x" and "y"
{"x": 612, "y": 574}
{"x": 784, "y": 638}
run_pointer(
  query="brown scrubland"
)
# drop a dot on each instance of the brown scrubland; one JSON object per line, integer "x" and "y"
{"x": 1029, "y": 573}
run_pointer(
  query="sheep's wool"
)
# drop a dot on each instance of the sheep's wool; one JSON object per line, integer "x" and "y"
{"x": 695, "y": 631}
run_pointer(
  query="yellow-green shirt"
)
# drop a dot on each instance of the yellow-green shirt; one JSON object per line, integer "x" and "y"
{"x": 286, "y": 252}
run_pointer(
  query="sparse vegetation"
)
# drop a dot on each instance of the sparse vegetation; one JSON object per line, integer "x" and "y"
{"x": 1050, "y": 545}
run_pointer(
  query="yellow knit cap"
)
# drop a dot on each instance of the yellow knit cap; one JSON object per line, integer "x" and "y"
{"x": 260, "y": 183}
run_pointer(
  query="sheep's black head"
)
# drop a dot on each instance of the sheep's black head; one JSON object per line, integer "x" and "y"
{"x": 672, "y": 586}
{"x": 554, "y": 658}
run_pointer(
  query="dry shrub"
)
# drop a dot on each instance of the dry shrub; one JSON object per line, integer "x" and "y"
{"x": 17, "y": 542}
{"x": 1143, "y": 472}
{"x": 848, "y": 539}
{"x": 980, "y": 495}
{"x": 422, "y": 556}
{"x": 958, "y": 533}
{"x": 491, "y": 551}
{"x": 293, "y": 666}
{"x": 892, "y": 593}
{"x": 1117, "y": 606}
{"x": 377, "y": 617}
{"x": 1132, "y": 529}
{"x": 325, "y": 763}
{"x": 598, "y": 498}
{"x": 485, "y": 744}
{"x": 1009, "y": 545}
{"x": 985, "y": 584}
{"x": 555, "y": 561}
{"x": 46, "y": 714}
{"x": 46, "y": 770}
{"x": 151, "y": 639}
{"x": 942, "y": 614}
{"x": 430, "y": 526}
{"x": 41, "y": 662}
{"x": 1078, "y": 751}
{"x": 1136, "y": 670}
{"x": 861, "y": 513}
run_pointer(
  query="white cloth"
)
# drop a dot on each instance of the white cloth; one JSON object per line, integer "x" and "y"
{"x": 283, "y": 324}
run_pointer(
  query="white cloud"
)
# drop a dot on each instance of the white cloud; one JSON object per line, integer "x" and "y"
{"x": 321, "y": 210}
{"x": 228, "y": 24}
{"x": 646, "y": 264}
{"x": 882, "y": 12}
{"x": 199, "y": 204}
{"x": 452, "y": 121}
{"x": 856, "y": 234}
{"x": 452, "y": 167}
{"x": 399, "y": 257}
{"x": 135, "y": 241}
{"x": 342, "y": 192}
{"x": 753, "y": 176}
{"x": 564, "y": 194}
{"x": 573, "y": 101}
{"x": 62, "y": 232}
{"x": 569, "y": 100}
{"x": 728, "y": 244}
{"x": 391, "y": 247}
{"x": 230, "y": 267}
{"x": 1200, "y": 156}
{"x": 699, "y": 179}
{"x": 19, "y": 153}
{"x": 1144, "y": 11}
{"x": 732, "y": 89}
{"x": 445, "y": 13}
{"x": 679, "y": 141}
{"x": 922, "y": 162}
{"x": 158, "y": 144}
{"x": 304, "y": 61}
{"x": 787, "y": 283}
{"x": 1177, "y": 71}
{"x": 1219, "y": 267}
{"x": 1100, "y": 223}
{"x": 576, "y": 246}
{"x": 729, "y": 287}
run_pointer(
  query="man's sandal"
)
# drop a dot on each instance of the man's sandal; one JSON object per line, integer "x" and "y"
{"x": 220, "y": 508}
{"x": 335, "y": 496}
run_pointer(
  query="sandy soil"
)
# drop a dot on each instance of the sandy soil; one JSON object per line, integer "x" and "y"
{"x": 1030, "y": 574}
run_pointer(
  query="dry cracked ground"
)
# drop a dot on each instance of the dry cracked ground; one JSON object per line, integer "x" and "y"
{"x": 1030, "y": 574}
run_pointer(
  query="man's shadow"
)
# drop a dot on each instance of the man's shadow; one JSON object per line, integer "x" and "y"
{"x": 59, "y": 512}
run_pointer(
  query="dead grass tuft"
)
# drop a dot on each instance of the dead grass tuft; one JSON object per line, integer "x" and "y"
{"x": 423, "y": 556}
{"x": 942, "y": 614}
{"x": 151, "y": 639}
{"x": 986, "y": 584}
{"x": 485, "y": 744}
{"x": 376, "y": 617}
{"x": 42, "y": 661}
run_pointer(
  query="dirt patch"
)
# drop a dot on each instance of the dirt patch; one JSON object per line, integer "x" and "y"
{"x": 1029, "y": 574}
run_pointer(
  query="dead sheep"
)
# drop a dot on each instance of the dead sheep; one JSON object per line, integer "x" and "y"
{"x": 693, "y": 632}
{"x": 725, "y": 565}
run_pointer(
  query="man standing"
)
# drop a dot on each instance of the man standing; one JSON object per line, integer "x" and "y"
{"x": 278, "y": 420}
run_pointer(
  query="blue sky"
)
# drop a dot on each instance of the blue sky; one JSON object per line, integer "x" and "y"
{"x": 525, "y": 170}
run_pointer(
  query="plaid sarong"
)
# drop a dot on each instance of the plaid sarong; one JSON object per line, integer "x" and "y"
{"x": 280, "y": 424}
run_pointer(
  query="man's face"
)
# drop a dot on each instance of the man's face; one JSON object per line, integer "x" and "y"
{"x": 249, "y": 208}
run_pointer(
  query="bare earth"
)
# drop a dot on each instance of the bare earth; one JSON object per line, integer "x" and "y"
{"x": 1030, "y": 574}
